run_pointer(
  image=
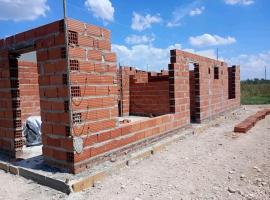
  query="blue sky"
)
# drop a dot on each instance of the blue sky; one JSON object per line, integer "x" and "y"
{"x": 143, "y": 31}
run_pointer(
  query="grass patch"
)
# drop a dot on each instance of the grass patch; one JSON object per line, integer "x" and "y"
{"x": 255, "y": 92}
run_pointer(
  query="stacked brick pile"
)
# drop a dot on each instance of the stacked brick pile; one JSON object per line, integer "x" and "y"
{"x": 249, "y": 122}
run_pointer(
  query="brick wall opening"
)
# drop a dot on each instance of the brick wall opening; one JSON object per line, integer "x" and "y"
{"x": 28, "y": 85}
{"x": 16, "y": 93}
{"x": 24, "y": 76}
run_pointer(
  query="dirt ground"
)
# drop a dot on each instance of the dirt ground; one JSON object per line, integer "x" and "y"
{"x": 211, "y": 165}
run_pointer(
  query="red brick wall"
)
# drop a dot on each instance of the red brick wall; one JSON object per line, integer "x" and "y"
{"x": 123, "y": 80}
{"x": 124, "y": 136}
{"x": 49, "y": 43}
{"x": 29, "y": 89}
{"x": 79, "y": 93}
{"x": 93, "y": 85}
{"x": 151, "y": 97}
{"x": 139, "y": 77}
{"x": 211, "y": 95}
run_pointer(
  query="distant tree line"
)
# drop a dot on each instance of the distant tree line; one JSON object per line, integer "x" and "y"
{"x": 255, "y": 81}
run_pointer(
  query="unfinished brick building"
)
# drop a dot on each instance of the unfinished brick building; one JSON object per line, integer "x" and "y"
{"x": 80, "y": 94}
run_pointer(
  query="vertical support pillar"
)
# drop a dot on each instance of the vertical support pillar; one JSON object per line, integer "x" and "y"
{"x": 54, "y": 98}
{"x": 231, "y": 81}
{"x": 11, "y": 140}
{"x": 197, "y": 93}
{"x": 179, "y": 88}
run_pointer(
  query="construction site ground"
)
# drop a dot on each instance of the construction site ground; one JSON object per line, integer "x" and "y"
{"x": 214, "y": 163}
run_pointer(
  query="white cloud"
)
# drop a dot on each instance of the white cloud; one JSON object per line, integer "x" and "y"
{"x": 179, "y": 13}
{"x": 210, "y": 40}
{"x": 20, "y": 10}
{"x": 240, "y": 2}
{"x": 101, "y": 9}
{"x": 197, "y": 11}
{"x": 252, "y": 66}
{"x": 143, "y": 55}
{"x": 150, "y": 57}
{"x": 139, "y": 39}
{"x": 140, "y": 22}
{"x": 177, "y": 16}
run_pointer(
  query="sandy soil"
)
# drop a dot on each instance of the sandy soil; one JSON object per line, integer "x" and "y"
{"x": 211, "y": 165}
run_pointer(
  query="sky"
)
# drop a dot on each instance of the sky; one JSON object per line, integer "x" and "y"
{"x": 143, "y": 31}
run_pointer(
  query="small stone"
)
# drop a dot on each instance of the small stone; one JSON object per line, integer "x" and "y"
{"x": 259, "y": 180}
{"x": 242, "y": 176}
{"x": 113, "y": 159}
{"x": 257, "y": 168}
{"x": 231, "y": 190}
{"x": 263, "y": 183}
{"x": 97, "y": 183}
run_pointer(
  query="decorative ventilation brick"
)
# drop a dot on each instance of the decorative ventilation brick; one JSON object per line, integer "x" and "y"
{"x": 16, "y": 104}
{"x": 14, "y": 83}
{"x": 15, "y": 93}
{"x": 77, "y": 118}
{"x": 18, "y": 144}
{"x": 70, "y": 157}
{"x": 17, "y": 113}
{"x": 17, "y": 134}
{"x": 75, "y": 91}
{"x": 17, "y": 123}
{"x": 72, "y": 37}
{"x": 74, "y": 65}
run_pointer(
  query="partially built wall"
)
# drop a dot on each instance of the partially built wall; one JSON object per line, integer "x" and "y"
{"x": 82, "y": 96}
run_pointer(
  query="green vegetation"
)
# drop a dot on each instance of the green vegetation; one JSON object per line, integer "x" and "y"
{"x": 255, "y": 92}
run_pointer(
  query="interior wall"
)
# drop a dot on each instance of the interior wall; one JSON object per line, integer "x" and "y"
{"x": 151, "y": 97}
{"x": 29, "y": 89}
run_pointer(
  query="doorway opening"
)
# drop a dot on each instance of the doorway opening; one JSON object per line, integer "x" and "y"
{"x": 24, "y": 68}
